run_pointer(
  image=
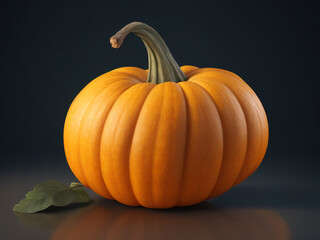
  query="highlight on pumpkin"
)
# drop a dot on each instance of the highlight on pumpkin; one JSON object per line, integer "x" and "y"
{"x": 169, "y": 136}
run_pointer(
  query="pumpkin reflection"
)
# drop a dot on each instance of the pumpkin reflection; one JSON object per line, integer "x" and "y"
{"x": 120, "y": 222}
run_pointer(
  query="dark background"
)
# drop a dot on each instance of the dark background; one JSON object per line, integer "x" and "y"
{"x": 51, "y": 49}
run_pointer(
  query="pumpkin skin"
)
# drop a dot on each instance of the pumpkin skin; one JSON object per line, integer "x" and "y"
{"x": 168, "y": 144}
{"x": 162, "y": 144}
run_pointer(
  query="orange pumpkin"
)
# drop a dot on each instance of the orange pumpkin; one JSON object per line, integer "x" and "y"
{"x": 165, "y": 137}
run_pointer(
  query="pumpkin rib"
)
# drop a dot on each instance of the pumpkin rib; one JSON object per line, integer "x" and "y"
{"x": 84, "y": 113}
{"x": 185, "y": 146}
{"x": 239, "y": 150}
{"x": 262, "y": 151}
{"x": 189, "y": 70}
{"x": 134, "y": 131}
{"x": 223, "y": 147}
{"x": 153, "y": 159}
{"x": 218, "y": 117}
{"x": 103, "y": 129}
{"x": 234, "y": 76}
{"x": 124, "y": 98}
{"x": 81, "y": 120}
{"x": 223, "y": 72}
{"x": 173, "y": 91}
{"x": 182, "y": 153}
{"x": 130, "y": 159}
{"x": 247, "y": 135}
{"x": 257, "y": 104}
{"x": 264, "y": 141}
{"x": 131, "y": 147}
{"x": 135, "y": 72}
{"x": 79, "y": 155}
{"x": 238, "y": 84}
{"x": 102, "y": 82}
{"x": 89, "y": 141}
{"x": 109, "y": 78}
{"x": 245, "y": 155}
{"x": 156, "y": 156}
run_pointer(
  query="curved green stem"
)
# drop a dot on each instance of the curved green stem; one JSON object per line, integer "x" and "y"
{"x": 162, "y": 66}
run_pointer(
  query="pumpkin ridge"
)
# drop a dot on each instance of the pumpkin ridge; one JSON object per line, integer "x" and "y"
{"x": 102, "y": 130}
{"x": 78, "y": 140}
{"x": 124, "y": 69}
{"x": 89, "y": 85}
{"x": 131, "y": 146}
{"x": 102, "y": 134}
{"x": 252, "y": 94}
{"x": 223, "y": 148}
{"x": 234, "y": 76}
{"x": 247, "y": 136}
{"x": 129, "y": 157}
{"x": 129, "y": 75}
{"x": 185, "y": 147}
{"x": 156, "y": 163}
{"x": 153, "y": 164}
{"x": 220, "y": 71}
{"x": 169, "y": 92}
{"x": 107, "y": 77}
{"x": 85, "y": 112}
{"x": 189, "y": 71}
{"x": 221, "y": 82}
{"x": 262, "y": 153}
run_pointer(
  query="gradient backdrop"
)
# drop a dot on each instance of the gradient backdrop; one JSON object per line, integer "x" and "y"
{"x": 51, "y": 49}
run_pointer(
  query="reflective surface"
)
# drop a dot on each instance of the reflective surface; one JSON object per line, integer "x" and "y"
{"x": 109, "y": 220}
{"x": 263, "y": 207}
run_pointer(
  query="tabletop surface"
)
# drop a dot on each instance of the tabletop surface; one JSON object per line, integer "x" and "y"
{"x": 265, "y": 206}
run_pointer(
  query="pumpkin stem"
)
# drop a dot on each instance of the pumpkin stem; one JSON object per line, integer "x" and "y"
{"x": 162, "y": 66}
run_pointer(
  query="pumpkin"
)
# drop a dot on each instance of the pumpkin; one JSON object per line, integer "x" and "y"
{"x": 167, "y": 136}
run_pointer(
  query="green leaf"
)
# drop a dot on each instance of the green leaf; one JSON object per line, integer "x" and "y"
{"x": 52, "y": 193}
